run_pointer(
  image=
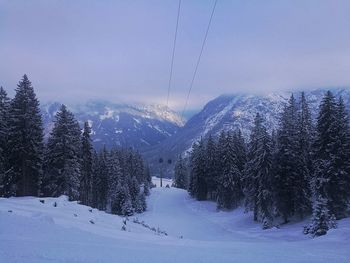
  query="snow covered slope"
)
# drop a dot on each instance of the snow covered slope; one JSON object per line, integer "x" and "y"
{"x": 31, "y": 231}
{"x": 120, "y": 124}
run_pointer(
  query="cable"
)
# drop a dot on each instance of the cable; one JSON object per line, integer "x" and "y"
{"x": 199, "y": 59}
{"x": 173, "y": 54}
{"x": 169, "y": 86}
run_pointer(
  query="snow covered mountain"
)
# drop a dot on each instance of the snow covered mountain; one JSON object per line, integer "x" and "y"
{"x": 228, "y": 112}
{"x": 114, "y": 124}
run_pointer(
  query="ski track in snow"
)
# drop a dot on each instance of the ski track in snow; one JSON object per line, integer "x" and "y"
{"x": 36, "y": 232}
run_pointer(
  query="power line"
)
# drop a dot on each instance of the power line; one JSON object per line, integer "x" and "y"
{"x": 169, "y": 87}
{"x": 173, "y": 53}
{"x": 199, "y": 58}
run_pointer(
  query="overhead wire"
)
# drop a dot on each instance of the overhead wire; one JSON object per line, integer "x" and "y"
{"x": 199, "y": 59}
{"x": 173, "y": 54}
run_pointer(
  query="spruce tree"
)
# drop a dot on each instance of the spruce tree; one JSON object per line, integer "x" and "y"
{"x": 4, "y": 172}
{"x": 229, "y": 181}
{"x": 289, "y": 171}
{"x": 181, "y": 180}
{"x": 228, "y": 190}
{"x": 101, "y": 180}
{"x": 258, "y": 178}
{"x": 340, "y": 181}
{"x": 86, "y": 166}
{"x": 198, "y": 186}
{"x": 325, "y": 176}
{"x": 62, "y": 159}
{"x": 25, "y": 141}
{"x": 302, "y": 191}
{"x": 114, "y": 175}
{"x": 210, "y": 173}
{"x": 134, "y": 189}
{"x": 250, "y": 178}
{"x": 240, "y": 149}
{"x": 263, "y": 167}
{"x": 95, "y": 180}
{"x": 322, "y": 218}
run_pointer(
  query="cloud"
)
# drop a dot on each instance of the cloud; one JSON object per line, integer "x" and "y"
{"x": 120, "y": 50}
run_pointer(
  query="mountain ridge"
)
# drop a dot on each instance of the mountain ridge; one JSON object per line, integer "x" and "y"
{"x": 234, "y": 111}
{"x": 120, "y": 124}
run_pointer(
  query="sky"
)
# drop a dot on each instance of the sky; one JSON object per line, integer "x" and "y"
{"x": 120, "y": 51}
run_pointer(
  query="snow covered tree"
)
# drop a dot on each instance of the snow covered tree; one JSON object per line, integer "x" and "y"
{"x": 141, "y": 204}
{"x": 332, "y": 146}
{"x": 114, "y": 176}
{"x": 4, "y": 172}
{"x": 86, "y": 166}
{"x": 229, "y": 192}
{"x": 290, "y": 171}
{"x": 240, "y": 149}
{"x": 198, "y": 185}
{"x": 94, "y": 180}
{"x": 134, "y": 189}
{"x": 250, "y": 179}
{"x": 263, "y": 168}
{"x": 62, "y": 158}
{"x": 181, "y": 178}
{"x": 122, "y": 205}
{"x": 258, "y": 178}
{"x": 329, "y": 181}
{"x": 229, "y": 181}
{"x": 340, "y": 180}
{"x": 305, "y": 134}
{"x": 322, "y": 219}
{"x": 210, "y": 167}
{"x": 25, "y": 140}
{"x": 100, "y": 185}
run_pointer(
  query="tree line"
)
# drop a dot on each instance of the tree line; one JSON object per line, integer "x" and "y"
{"x": 114, "y": 180}
{"x": 301, "y": 169}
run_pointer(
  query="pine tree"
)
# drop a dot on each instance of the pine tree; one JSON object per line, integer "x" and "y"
{"x": 101, "y": 180}
{"x": 302, "y": 191}
{"x": 263, "y": 165}
{"x": 289, "y": 175}
{"x": 122, "y": 205}
{"x": 250, "y": 178}
{"x": 4, "y": 172}
{"x": 134, "y": 189}
{"x": 114, "y": 175}
{"x": 322, "y": 219}
{"x": 228, "y": 190}
{"x": 141, "y": 203}
{"x": 62, "y": 159}
{"x": 229, "y": 181}
{"x": 198, "y": 185}
{"x": 210, "y": 173}
{"x": 95, "y": 180}
{"x": 340, "y": 181}
{"x": 325, "y": 173}
{"x": 181, "y": 180}
{"x": 86, "y": 166}
{"x": 258, "y": 178}
{"x": 25, "y": 140}
{"x": 240, "y": 149}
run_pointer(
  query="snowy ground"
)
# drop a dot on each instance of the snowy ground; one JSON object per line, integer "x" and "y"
{"x": 31, "y": 231}
{"x": 166, "y": 181}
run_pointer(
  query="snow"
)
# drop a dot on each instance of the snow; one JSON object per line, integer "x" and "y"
{"x": 31, "y": 231}
{"x": 107, "y": 114}
{"x": 166, "y": 181}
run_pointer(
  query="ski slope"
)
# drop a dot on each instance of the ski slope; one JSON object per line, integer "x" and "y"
{"x": 31, "y": 231}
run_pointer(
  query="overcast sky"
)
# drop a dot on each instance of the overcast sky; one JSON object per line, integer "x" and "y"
{"x": 120, "y": 50}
